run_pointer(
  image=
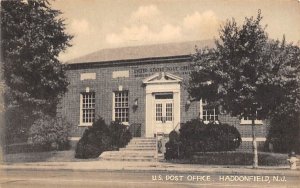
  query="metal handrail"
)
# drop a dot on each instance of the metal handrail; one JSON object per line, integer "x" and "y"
{"x": 176, "y": 126}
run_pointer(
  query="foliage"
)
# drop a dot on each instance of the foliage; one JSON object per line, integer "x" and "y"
{"x": 235, "y": 158}
{"x": 247, "y": 72}
{"x": 18, "y": 123}
{"x": 32, "y": 36}
{"x": 119, "y": 134}
{"x": 101, "y": 137}
{"x": 236, "y": 68}
{"x": 196, "y": 136}
{"x": 285, "y": 81}
{"x": 94, "y": 141}
{"x": 50, "y": 133}
{"x": 284, "y": 135}
{"x": 173, "y": 146}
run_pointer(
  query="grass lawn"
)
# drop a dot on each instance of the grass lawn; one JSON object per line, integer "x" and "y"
{"x": 50, "y": 156}
{"x": 236, "y": 158}
{"x": 209, "y": 158}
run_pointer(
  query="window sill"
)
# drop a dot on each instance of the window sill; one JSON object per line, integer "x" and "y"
{"x": 215, "y": 122}
{"x": 85, "y": 125}
{"x": 249, "y": 122}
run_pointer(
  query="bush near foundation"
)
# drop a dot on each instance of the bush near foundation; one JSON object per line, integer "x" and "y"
{"x": 100, "y": 137}
{"x": 173, "y": 146}
{"x": 49, "y": 133}
{"x": 196, "y": 136}
{"x": 283, "y": 136}
{"x": 119, "y": 134}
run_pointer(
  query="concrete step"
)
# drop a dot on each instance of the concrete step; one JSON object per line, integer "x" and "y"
{"x": 129, "y": 159}
{"x": 142, "y": 142}
{"x": 138, "y": 149}
{"x": 141, "y": 146}
{"x": 127, "y": 156}
{"x": 128, "y": 153}
{"x": 143, "y": 138}
{"x": 120, "y": 158}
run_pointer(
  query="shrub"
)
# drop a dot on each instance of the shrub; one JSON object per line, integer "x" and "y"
{"x": 101, "y": 137}
{"x": 173, "y": 146}
{"x": 17, "y": 124}
{"x": 237, "y": 158}
{"x": 120, "y": 135}
{"x": 49, "y": 133}
{"x": 94, "y": 141}
{"x": 284, "y": 134}
{"x": 195, "y": 136}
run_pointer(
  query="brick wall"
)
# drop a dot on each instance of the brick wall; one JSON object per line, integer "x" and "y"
{"x": 105, "y": 84}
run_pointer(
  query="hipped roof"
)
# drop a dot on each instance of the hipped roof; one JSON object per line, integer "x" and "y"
{"x": 142, "y": 52}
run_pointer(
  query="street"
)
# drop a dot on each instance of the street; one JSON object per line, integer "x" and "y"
{"x": 69, "y": 178}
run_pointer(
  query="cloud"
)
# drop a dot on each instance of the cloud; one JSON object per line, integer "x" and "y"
{"x": 143, "y": 34}
{"x": 80, "y": 26}
{"x": 195, "y": 26}
{"x": 145, "y": 13}
{"x": 84, "y": 39}
{"x": 146, "y": 26}
{"x": 203, "y": 26}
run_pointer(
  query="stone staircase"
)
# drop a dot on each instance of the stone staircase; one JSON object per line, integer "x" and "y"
{"x": 138, "y": 149}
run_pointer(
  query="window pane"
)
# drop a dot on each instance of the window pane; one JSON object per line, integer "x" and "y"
{"x": 169, "y": 111}
{"x": 121, "y": 106}
{"x": 158, "y": 109}
{"x": 209, "y": 114}
{"x": 164, "y": 96}
{"x": 88, "y": 107}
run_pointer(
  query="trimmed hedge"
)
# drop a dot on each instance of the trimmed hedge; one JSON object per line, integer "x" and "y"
{"x": 196, "y": 136}
{"x": 238, "y": 158}
{"x": 100, "y": 137}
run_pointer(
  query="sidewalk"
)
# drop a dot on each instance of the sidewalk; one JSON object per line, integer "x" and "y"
{"x": 102, "y": 165}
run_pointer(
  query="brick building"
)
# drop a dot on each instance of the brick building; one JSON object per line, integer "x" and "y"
{"x": 142, "y": 86}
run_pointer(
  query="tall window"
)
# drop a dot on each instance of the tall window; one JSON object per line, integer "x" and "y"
{"x": 121, "y": 107}
{"x": 207, "y": 113}
{"x": 87, "y": 108}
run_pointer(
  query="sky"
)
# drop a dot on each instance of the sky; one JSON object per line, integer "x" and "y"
{"x": 100, "y": 24}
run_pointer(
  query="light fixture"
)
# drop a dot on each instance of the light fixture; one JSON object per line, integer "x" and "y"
{"x": 135, "y": 102}
{"x": 188, "y": 102}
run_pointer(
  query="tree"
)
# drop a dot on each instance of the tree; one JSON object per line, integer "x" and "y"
{"x": 244, "y": 74}
{"x": 284, "y": 133}
{"x": 32, "y": 36}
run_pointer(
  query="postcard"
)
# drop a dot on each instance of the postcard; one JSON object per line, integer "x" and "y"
{"x": 150, "y": 93}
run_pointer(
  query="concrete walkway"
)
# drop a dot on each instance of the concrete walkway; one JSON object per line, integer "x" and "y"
{"x": 103, "y": 165}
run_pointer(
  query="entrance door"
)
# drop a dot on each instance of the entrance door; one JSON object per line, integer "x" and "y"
{"x": 164, "y": 113}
